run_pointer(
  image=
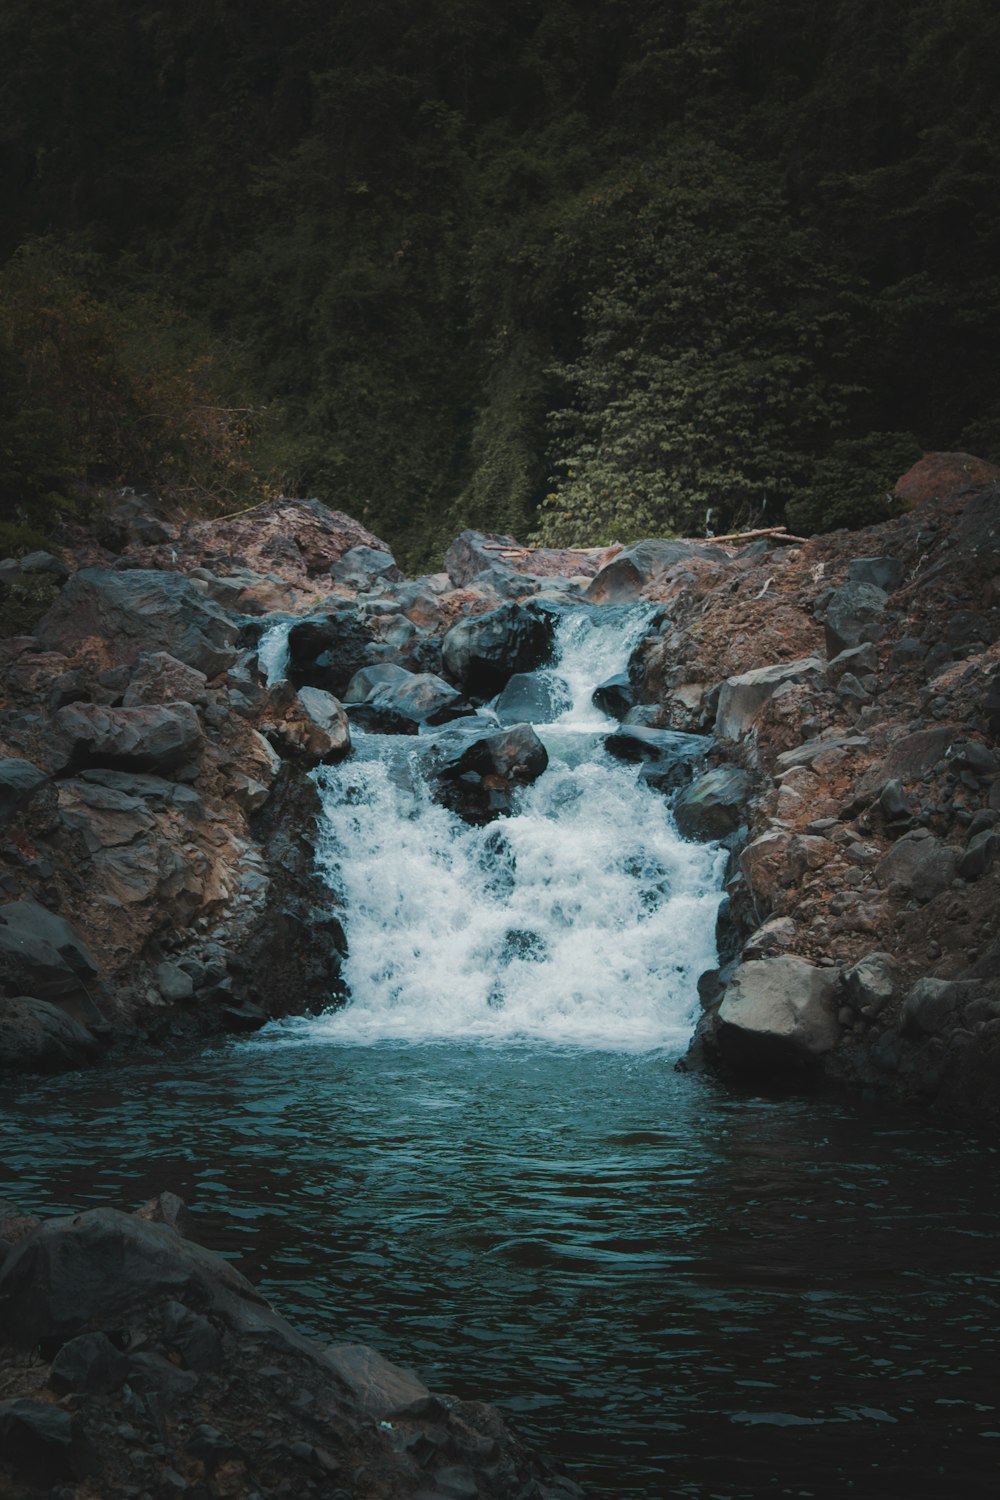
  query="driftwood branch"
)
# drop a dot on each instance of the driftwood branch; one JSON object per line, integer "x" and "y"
{"x": 779, "y": 533}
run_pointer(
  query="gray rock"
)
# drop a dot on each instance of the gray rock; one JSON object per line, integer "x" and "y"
{"x": 191, "y": 1336}
{"x": 979, "y": 854}
{"x": 894, "y": 804}
{"x": 159, "y": 677}
{"x": 363, "y": 567}
{"x": 409, "y": 702}
{"x": 482, "y": 654}
{"x": 884, "y": 572}
{"x": 383, "y": 1390}
{"x": 855, "y": 659}
{"x": 476, "y": 767}
{"x": 365, "y": 684}
{"x": 37, "y": 1037}
{"x": 811, "y": 750}
{"x": 532, "y": 698}
{"x": 174, "y": 984}
{"x": 163, "y": 738}
{"x": 19, "y": 781}
{"x": 778, "y": 1013}
{"x": 743, "y": 698}
{"x": 615, "y": 696}
{"x": 933, "y": 1004}
{"x": 853, "y": 615}
{"x": 713, "y": 805}
{"x": 920, "y": 863}
{"x": 43, "y": 956}
{"x": 327, "y": 713}
{"x": 44, "y": 1444}
{"x": 622, "y": 580}
{"x": 668, "y": 757}
{"x": 327, "y": 650}
{"x": 137, "y": 611}
{"x": 90, "y": 1364}
{"x": 872, "y": 984}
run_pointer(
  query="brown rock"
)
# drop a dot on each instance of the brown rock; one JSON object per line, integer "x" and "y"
{"x": 938, "y": 476}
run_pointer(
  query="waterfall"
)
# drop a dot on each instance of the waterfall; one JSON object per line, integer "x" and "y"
{"x": 272, "y": 652}
{"x": 583, "y": 919}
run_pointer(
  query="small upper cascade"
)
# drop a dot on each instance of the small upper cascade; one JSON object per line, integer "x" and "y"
{"x": 272, "y": 652}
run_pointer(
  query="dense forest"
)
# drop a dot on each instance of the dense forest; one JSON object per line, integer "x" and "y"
{"x": 581, "y": 269}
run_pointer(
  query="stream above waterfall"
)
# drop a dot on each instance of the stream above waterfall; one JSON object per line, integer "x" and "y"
{"x": 486, "y": 1166}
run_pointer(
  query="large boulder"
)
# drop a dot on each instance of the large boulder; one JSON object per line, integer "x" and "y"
{"x": 403, "y": 703}
{"x": 714, "y": 804}
{"x": 43, "y": 1443}
{"x": 326, "y": 651}
{"x": 474, "y": 553}
{"x": 43, "y": 956}
{"x": 532, "y": 698}
{"x": 919, "y": 865}
{"x": 937, "y": 476}
{"x": 363, "y": 567}
{"x": 139, "y": 610}
{"x": 163, "y": 738}
{"x": 36, "y": 1037}
{"x": 668, "y": 757}
{"x": 475, "y": 767}
{"x": 483, "y": 653}
{"x": 778, "y": 1014}
{"x": 622, "y": 580}
{"x": 853, "y": 615}
{"x": 743, "y": 698}
{"x": 96, "y": 1269}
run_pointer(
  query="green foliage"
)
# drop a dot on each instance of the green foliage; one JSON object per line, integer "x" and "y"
{"x": 852, "y": 485}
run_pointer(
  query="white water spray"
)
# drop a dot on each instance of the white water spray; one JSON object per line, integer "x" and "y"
{"x": 583, "y": 919}
{"x": 272, "y": 652}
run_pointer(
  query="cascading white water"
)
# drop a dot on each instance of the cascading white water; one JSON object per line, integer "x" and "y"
{"x": 272, "y": 652}
{"x": 583, "y": 919}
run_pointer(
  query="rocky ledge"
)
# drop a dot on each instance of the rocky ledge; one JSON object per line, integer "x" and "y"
{"x": 135, "y": 1363}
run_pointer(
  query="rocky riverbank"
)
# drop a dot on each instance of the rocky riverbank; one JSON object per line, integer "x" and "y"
{"x": 133, "y": 1362}
{"x": 836, "y": 702}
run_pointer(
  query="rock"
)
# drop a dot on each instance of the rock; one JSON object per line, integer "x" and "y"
{"x": 932, "y": 1004}
{"x": 363, "y": 567}
{"x": 778, "y": 1013}
{"x": 872, "y": 984}
{"x": 149, "y": 1373}
{"x": 483, "y": 653}
{"x": 383, "y": 1390}
{"x": 615, "y": 696}
{"x": 163, "y": 738}
{"x": 370, "y": 681}
{"x": 174, "y": 985}
{"x": 937, "y": 476}
{"x": 713, "y": 806}
{"x": 99, "y": 1268}
{"x": 853, "y": 616}
{"x": 139, "y": 611}
{"x": 894, "y": 805}
{"x": 159, "y": 677}
{"x": 775, "y": 936}
{"x": 863, "y": 659}
{"x": 668, "y": 757}
{"x": 476, "y": 552}
{"x": 764, "y": 866}
{"x": 192, "y": 1337}
{"x": 810, "y": 751}
{"x": 328, "y": 714}
{"x": 44, "y": 562}
{"x": 90, "y": 1364}
{"x": 43, "y": 1443}
{"x": 300, "y": 736}
{"x": 19, "y": 781}
{"x": 327, "y": 651}
{"x": 43, "y": 956}
{"x": 36, "y": 1037}
{"x": 622, "y": 580}
{"x": 476, "y": 768}
{"x": 743, "y": 698}
{"x": 167, "y": 1208}
{"x": 909, "y": 758}
{"x": 979, "y": 854}
{"x": 532, "y": 698}
{"x": 409, "y": 701}
{"x": 920, "y": 863}
{"x": 882, "y": 572}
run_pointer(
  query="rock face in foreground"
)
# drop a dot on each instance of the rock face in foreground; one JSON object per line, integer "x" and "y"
{"x": 145, "y": 1358}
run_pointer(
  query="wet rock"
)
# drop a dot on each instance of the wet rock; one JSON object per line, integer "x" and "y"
{"x": 477, "y": 767}
{"x": 310, "y": 730}
{"x": 383, "y": 1390}
{"x": 327, "y": 714}
{"x": 622, "y": 580}
{"x": 667, "y": 756}
{"x": 36, "y": 1037}
{"x": 778, "y": 1013}
{"x": 853, "y": 615}
{"x": 410, "y": 700}
{"x": 363, "y": 567}
{"x": 615, "y": 696}
{"x": 743, "y": 698}
{"x": 139, "y": 611}
{"x": 371, "y": 681}
{"x": 44, "y": 1444}
{"x": 326, "y": 651}
{"x": 532, "y": 698}
{"x": 483, "y": 653}
{"x": 884, "y": 573}
{"x": 713, "y": 806}
{"x": 872, "y": 984}
{"x": 920, "y": 864}
{"x": 163, "y": 738}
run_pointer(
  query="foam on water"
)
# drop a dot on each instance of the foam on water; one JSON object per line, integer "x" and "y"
{"x": 272, "y": 652}
{"x": 583, "y": 920}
